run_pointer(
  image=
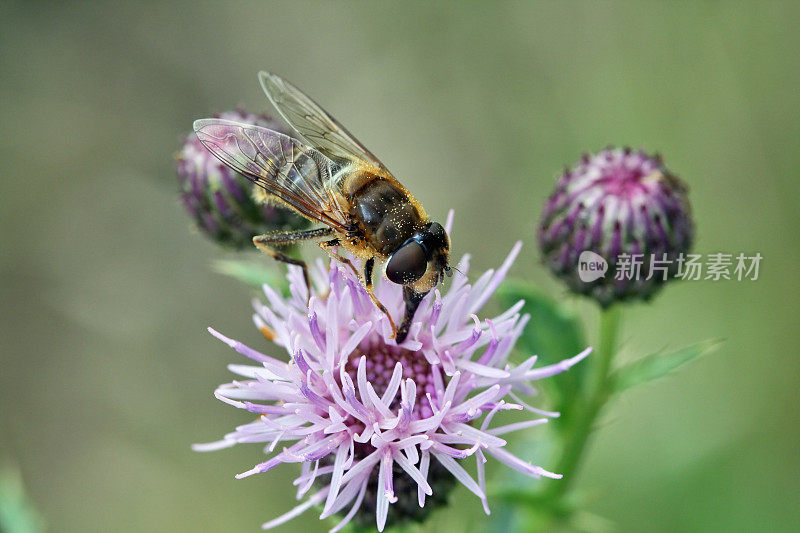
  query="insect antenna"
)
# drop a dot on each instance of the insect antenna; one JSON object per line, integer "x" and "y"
{"x": 448, "y": 271}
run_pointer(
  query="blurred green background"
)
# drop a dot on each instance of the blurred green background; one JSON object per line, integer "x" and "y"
{"x": 107, "y": 370}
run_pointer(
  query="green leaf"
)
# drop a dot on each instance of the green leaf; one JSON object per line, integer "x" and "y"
{"x": 251, "y": 273}
{"x": 659, "y": 364}
{"x": 17, "y": 514}
{"x": 553, "y": 333}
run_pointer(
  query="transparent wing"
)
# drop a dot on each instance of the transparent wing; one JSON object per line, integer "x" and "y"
{"x": 284, "y": 167}
{"x": 313, "y": 123}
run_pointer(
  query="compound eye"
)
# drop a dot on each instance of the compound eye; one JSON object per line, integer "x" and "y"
{"x": 407, "y": 264}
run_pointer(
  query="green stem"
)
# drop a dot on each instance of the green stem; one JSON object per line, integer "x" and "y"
{"x": 595, "y": 392}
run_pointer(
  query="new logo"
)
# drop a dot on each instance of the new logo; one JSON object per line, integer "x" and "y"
{"x": 591, "y": 266}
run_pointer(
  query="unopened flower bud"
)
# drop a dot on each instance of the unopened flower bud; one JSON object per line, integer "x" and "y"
{"x": 615, "y": 226}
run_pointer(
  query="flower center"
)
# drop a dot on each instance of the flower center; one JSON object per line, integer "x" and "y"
{"x": 381, "y": 360}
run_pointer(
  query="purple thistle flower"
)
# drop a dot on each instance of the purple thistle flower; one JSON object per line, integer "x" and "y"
{"x": 223, "y": 203}
{"x": 364, "y": 416}
{"x": 629, "y": 209}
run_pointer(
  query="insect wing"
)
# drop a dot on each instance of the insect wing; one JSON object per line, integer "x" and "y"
{"x": 313, "y": 123}
{"x": 284, "y": 167}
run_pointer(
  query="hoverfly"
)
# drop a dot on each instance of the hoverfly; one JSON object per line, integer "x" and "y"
{"x": 329, "y": 177}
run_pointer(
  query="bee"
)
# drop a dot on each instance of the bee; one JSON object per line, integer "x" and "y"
{"x": 329, "y": 177}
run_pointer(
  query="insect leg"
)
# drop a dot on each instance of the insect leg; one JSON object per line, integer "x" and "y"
{"x": 328, "y": 248}
{"x": 266, "y": 244}
{"x": 412, "y": 299}
{"x": 366, "y": 281}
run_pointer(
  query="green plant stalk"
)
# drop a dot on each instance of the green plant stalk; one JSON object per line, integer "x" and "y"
{"x": 595, "y": 393}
